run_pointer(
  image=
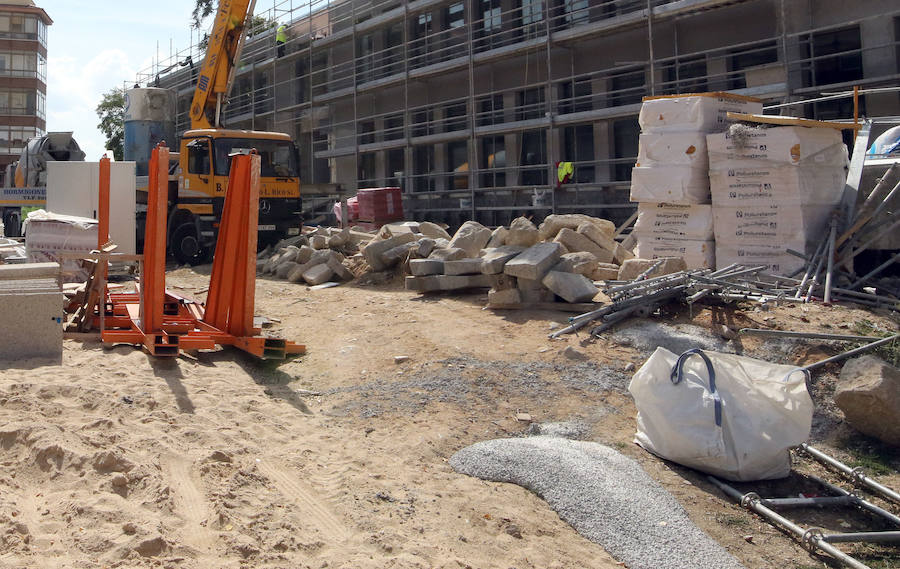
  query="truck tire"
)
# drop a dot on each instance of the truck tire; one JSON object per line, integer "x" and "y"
{"x": 185, "y": 246}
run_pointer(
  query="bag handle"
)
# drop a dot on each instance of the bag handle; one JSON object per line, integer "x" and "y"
{"x": 678, "y": 374}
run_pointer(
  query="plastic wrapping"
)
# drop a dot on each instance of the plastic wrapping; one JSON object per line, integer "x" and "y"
{"x": 706, "y": 112}
{"x": 671, "y": 184}
{"x": 697, "y": 254}
{"x": 674, "y": 221}
{"x": 48, "y": 234}
{"x": 673, "y": 148}
{"x": 744, "y": 145}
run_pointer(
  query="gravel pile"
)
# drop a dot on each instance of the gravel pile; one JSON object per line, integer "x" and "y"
{"x": 604, "y": 495}
{"x": 647, "y": 335}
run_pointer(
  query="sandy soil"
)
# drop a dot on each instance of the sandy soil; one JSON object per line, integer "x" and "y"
{"x": 339, "y": 458}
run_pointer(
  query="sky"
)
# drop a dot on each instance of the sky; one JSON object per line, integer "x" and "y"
{"x": 95, "y": 46}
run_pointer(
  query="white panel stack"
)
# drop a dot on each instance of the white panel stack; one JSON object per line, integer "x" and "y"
{"x": 671, "y": 177}
{"x": 772, "y": 190}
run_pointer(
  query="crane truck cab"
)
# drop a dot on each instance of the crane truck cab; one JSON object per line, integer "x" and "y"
{"x": 205, "y": 161}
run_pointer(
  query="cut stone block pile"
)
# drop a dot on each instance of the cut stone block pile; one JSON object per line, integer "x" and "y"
{"x": 319, "y": 256}
{"x": 522, "y": 264}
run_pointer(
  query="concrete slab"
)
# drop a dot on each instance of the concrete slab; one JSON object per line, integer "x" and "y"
{"x": 534, "y": 262}
{"x": 504, "y": 297}
{"x": 21, "y": 271}
{"x": 36, "y": 308}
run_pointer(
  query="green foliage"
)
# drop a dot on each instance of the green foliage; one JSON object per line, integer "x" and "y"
{"x": 259, "y": 24}
{"x": 888, "y": 352}
{"x": 111, "y": 111}
{"x": 202, "y": 9}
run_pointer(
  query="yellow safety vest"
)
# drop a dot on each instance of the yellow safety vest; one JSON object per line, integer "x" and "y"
{"x": 564, "y": 172}
{"x": 281, "y": 35}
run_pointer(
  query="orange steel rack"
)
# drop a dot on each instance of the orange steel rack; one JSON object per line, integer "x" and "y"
{"x": 166, "y": 323}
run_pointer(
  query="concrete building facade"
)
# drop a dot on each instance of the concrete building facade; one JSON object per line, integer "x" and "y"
{"x": 468, "y": 104}
{"x": 23, "y": 78}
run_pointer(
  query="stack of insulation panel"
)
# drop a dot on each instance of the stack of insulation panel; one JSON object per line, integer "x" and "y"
{"x": 773, "y": 189}
{"x": 670, "y": 181}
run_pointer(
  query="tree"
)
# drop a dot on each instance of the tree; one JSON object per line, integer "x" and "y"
{"x": 111, "y": 111}
{"x": 202, "y": 9}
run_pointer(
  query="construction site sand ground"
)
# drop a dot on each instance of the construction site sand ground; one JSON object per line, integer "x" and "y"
{"x": 340, "y": 458}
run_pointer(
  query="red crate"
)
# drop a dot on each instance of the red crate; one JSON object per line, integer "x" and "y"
{"x": 380, "y": 204}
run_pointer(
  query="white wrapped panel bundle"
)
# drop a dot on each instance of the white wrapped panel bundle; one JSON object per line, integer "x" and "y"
{"x": 704, "y": 112}
{"x": 697, "y": 254}
{"x": 773, "y": 223}
{"x": 673, "y": 148}
{"x": 670, "y": 184}
{"x": 763, "y": 184}
{"x": 676, "y": 221}
{"x": 773, "y": 189}
{"x": 743, "y": 145}
{"x": 774, "y": 257}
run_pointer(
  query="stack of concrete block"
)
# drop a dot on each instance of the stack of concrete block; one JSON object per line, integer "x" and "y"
{"x": 673, "y": 168}
{"x": 773, "y": 189}
{"x": 524, "y": 264}
{"x": 31, "y": 310}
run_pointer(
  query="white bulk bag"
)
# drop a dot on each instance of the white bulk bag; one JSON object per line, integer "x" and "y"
{"x": 731, "y": 416}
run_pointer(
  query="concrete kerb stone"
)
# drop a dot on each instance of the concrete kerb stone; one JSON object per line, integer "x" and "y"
{"x": 339, "y": 270}
{"x": 448, "y": 254}
{"x": 494, "y": 259}
{"x": 583, "y": 263}
{"x": 534, "y": 262}
{"x": 570, "y": 287}
{"x": 426, "y": 267}
{"x": 510, "y": 296}
{"x": 284, "y": 269}
{"x": 318, "y": 274}
{"x": 574, "y": 242}
{"x": 375, "y": 249}
{"x": 437, "y": 283}
{"x": 463, "y": 267}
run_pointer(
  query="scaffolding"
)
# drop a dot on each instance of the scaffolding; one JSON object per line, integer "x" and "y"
{"x": 467, "y": 105}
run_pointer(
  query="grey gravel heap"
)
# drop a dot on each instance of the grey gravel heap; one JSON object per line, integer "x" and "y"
{"x": 604, "y": 495}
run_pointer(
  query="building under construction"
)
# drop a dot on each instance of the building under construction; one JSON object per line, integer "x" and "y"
{"x": 468, "y": 105}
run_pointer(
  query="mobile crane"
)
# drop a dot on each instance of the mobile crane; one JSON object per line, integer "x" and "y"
{"x": 205, "y": 149}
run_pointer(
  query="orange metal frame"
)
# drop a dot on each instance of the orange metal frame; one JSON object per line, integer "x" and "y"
{"x": 166, "y": 323}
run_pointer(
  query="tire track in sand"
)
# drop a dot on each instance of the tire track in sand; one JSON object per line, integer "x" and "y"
{"x": 308, "y": 501}
{"x": 190, "y": 504}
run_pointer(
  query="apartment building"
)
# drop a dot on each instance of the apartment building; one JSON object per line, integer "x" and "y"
{"x": 23, "y": 77}
{"x": 468, "y": 105}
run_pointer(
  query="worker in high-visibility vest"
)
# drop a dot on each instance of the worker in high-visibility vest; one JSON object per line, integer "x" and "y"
{"x": 564, "y": 173}
{"x": 281, "y": 39}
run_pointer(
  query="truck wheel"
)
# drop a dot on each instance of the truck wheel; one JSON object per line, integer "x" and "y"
{"x": 186, "y": 247}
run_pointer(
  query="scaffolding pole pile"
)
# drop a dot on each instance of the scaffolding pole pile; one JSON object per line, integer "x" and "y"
{"x": 817, "y": 539}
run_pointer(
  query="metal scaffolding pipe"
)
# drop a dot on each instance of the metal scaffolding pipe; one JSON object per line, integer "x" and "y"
{"x": 851, "y": 353}
{"x": 806, "y": 335}
{"x": 810, "y": 538}
{"x": 856, "y": 474}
